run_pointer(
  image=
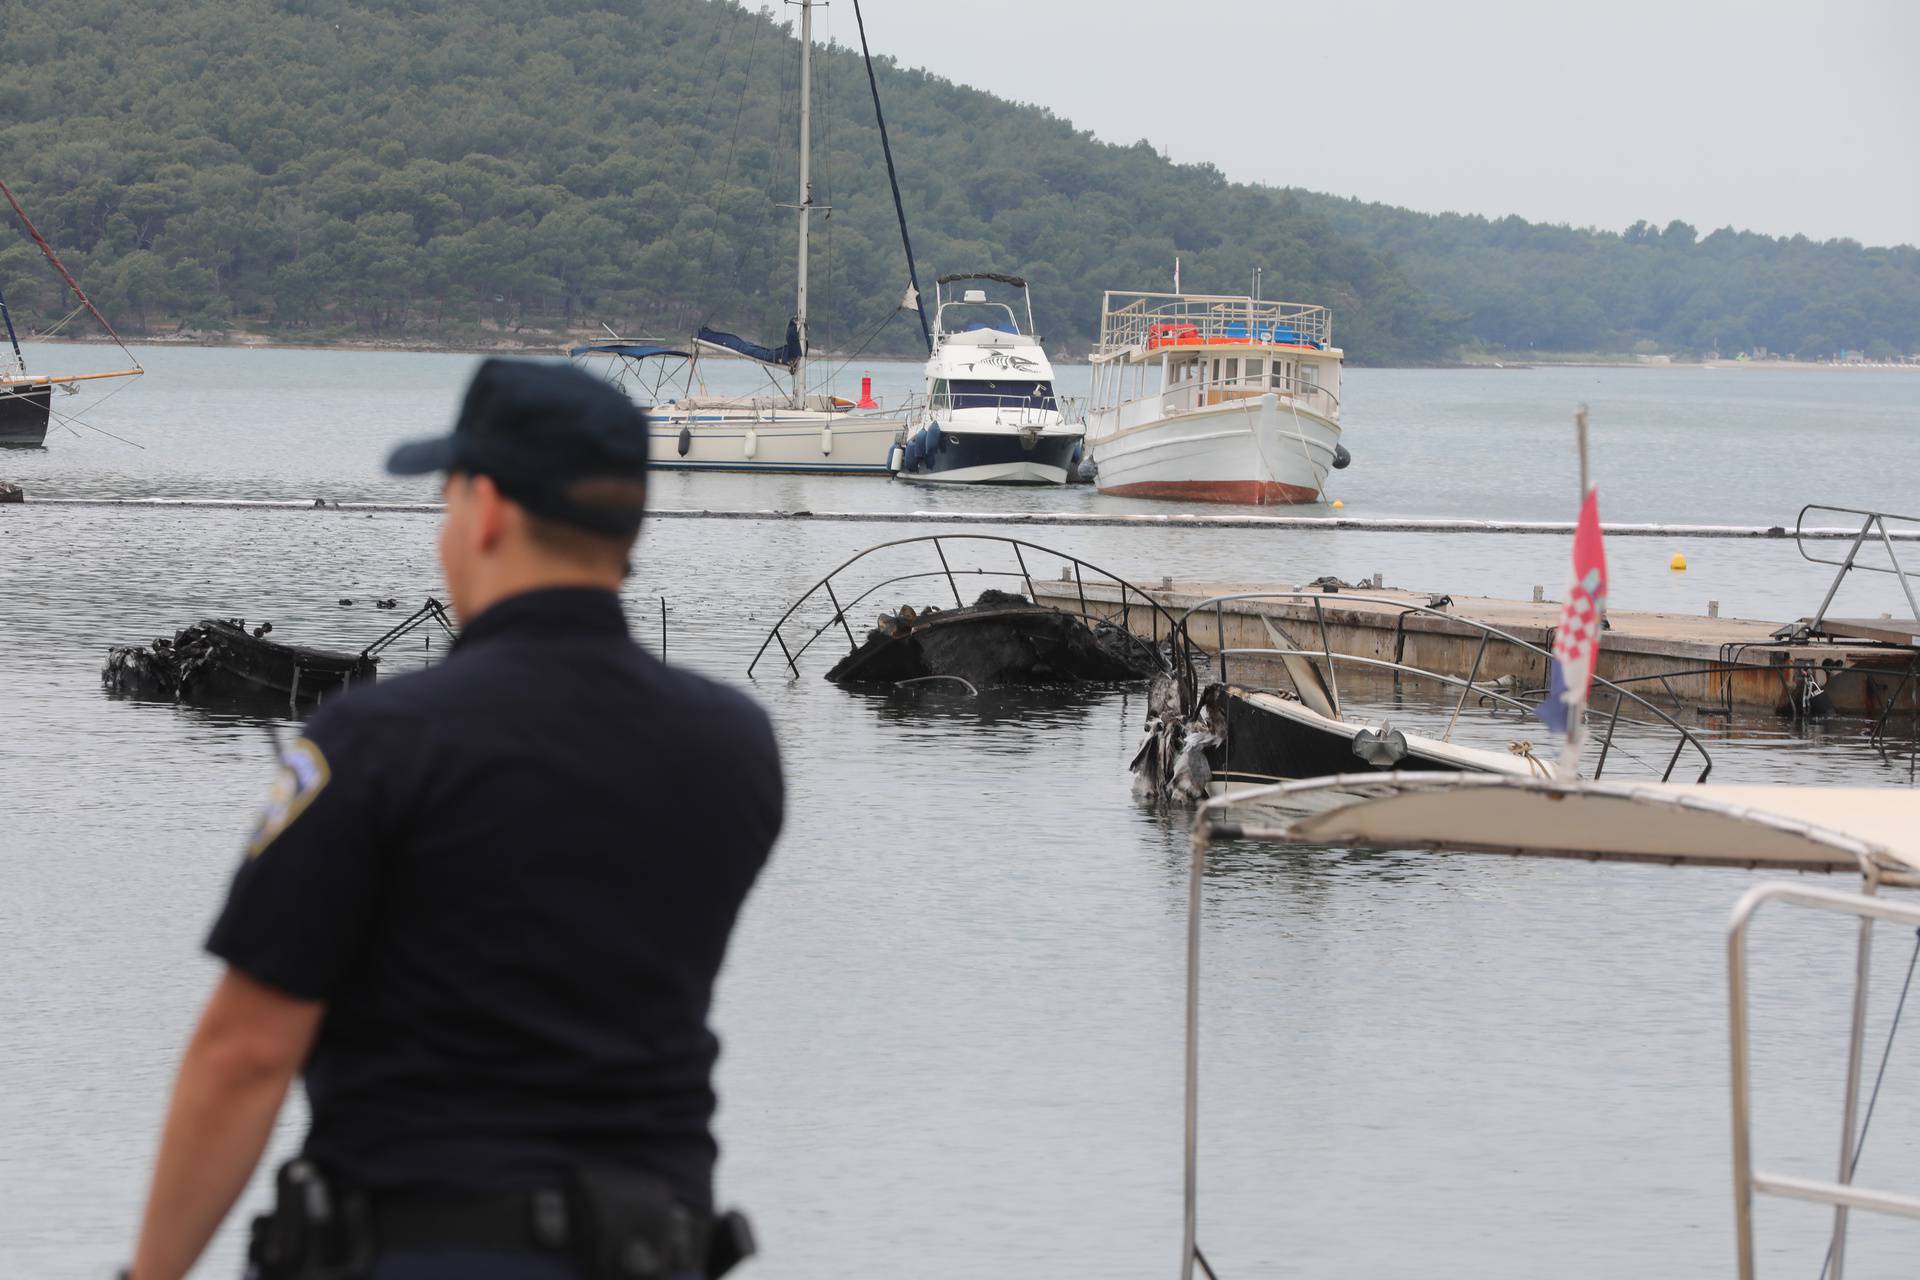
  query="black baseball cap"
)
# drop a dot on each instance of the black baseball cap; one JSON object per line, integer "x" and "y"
{"x": 549, "y": 436}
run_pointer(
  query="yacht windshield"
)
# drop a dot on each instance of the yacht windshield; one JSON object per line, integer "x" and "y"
{"x": 1000, "y": 393}
{"x": 965, "y": 317}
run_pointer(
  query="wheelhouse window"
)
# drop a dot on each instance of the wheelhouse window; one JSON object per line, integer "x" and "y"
{"x": 1001, "y": 393}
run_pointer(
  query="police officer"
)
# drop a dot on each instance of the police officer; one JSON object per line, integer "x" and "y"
{"x": 484, "y": 909}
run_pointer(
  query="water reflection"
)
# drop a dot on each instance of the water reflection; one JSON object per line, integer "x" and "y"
{"x": 1019, "y": 715}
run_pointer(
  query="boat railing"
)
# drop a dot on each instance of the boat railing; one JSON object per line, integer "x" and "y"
{"x": 1840, "y": 1194}
{"x": 1879, "y": 530}
{"x": 1143, "y": 322}
{"x": 1026, "y": 559}
{"x": 1243, "y": 816}
{"x": 1199, "y": 393}
{"x": 1610, "y": 702}
{"x": 1037, "y": 412}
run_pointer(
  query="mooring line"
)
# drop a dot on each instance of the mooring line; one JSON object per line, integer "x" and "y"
{"x": 1091, "y": 519}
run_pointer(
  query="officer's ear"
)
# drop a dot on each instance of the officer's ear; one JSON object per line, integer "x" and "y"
{"x": 491, "y": 513}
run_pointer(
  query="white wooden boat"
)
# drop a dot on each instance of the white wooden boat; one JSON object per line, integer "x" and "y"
{"x": 1213, "y": 398}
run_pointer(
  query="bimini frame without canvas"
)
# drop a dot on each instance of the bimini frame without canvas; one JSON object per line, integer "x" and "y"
{"x": 1872, "y": 832}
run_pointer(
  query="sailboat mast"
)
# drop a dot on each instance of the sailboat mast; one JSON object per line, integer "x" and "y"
{"x": 806, "y": 196}
{"x": 7, "y": 316}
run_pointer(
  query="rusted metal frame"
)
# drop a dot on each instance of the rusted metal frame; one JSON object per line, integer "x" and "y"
{"x": 1606, "y": 743}
{"x": 432, "y": 609}
{"x": 840, "y": 616}
{"x": 1220, "y": 638}
{"x": 826, "y": 626}
{"x": 941, "y": 551}
{"x": 1471, "y": 677}
{"x": 1486, "y": 630}
{"x": 1361, "y": 660}
{"x": 1326, "y": 647}
{"x": 1879, "y": 736}
{"x": 1081, "y": 587}
{"x": 1399, "y": 647}
{"x": 1022, "y": 562}
{"x": 783, "y": 649}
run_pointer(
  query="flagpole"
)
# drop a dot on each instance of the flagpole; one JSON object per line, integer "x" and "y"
{"x": 1580, "y": 435}
{"x": 1569, "y": 767}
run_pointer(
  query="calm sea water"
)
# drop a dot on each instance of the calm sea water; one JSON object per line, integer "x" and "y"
{"x": 952, "y": 1011}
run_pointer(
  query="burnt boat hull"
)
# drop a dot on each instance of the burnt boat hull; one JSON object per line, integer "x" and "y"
{"x": 217, "y": 660}
{"x": 24, "y": 414}
{"x": 993, "y": 642}
{"x": 1270, "y": 739}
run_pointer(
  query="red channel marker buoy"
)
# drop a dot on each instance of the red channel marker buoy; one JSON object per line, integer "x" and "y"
{"x": 866, "y": 393}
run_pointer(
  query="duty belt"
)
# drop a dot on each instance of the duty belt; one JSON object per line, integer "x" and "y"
{"x": 542, "y": 1220}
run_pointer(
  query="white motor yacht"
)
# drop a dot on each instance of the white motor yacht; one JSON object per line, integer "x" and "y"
{"x": 990, "y": 414}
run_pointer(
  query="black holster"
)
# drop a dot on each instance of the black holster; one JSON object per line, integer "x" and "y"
{"x": 315, "y": 1232}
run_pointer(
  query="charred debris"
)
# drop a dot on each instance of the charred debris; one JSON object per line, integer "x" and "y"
{"x": 222, "y": 660}
{"x": 1004, "y": 638}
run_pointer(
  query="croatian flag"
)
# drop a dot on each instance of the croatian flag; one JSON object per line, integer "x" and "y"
{"x": 1577, "y": 642}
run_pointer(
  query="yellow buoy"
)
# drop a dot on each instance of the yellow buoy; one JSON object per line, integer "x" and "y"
{"x": 1678, "y": 564}
{"x": 1339, "y": 505}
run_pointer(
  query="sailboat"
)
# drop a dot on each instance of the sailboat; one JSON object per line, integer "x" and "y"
{"x": 26, "y": 398}
{"x": 793, "y": 431}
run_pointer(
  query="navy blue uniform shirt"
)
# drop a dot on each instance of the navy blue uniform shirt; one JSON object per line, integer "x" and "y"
{"x": 511, "y": 878}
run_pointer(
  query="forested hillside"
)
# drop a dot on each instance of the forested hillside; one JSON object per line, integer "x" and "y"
{"x": 1522, "y": 285}
{"x": 465, "y": 169}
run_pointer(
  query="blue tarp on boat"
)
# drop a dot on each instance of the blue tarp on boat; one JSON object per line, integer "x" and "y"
{"x": 632, "y": 350}
{"x": 782, "y": 355}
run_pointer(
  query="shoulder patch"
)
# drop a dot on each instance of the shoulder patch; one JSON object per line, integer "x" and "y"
{"x": 303, "y": 774}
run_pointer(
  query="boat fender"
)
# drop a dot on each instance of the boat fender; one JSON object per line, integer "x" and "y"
{"x": 686, "y": 441}
{"x": 936, "y": 440}
{"x": 1341, "y": 457}
{"x": 914, "y": 448}
{"x": 826, "y": 438}
{"x": 752, "y": 442}
{"x": 896, "y": 457}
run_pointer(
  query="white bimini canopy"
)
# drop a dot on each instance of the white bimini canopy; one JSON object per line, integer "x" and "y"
{"x": 1874, "y": 831}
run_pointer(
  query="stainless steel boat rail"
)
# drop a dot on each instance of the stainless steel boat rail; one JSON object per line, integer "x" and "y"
{"x": 1187, "y": 653}
{"x": 1841, "y": 1194}
{"x": 1141, "y": 321}
{"x": 1212, "y": 824}
{"x": 1073, "y": 569}
{"x": 1872, "y": 524}
{"x": 1009, "y": 410}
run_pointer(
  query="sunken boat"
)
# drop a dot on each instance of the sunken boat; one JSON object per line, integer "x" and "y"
{"x": 1249, "y": 716}
{"x": 1002, "y": 638}
{"x": 222, "y": 660}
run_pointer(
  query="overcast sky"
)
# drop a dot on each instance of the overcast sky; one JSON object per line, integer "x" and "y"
{"x": 1774, "y": 117}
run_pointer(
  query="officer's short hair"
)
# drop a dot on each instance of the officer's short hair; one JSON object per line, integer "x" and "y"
{"x": 584, "y": 546}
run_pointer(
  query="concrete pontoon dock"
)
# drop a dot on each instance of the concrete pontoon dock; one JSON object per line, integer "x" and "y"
{"x": 1713, "y": 664}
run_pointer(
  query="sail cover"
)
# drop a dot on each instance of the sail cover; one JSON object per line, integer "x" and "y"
{"x": 781, "y": 355}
